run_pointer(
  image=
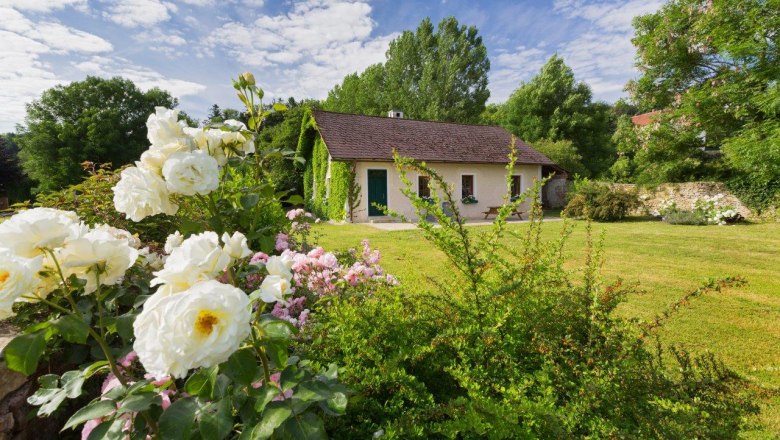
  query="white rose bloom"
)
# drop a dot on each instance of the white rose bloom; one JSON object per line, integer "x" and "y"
{"x": 17, "y": 278}
{"x": 163, "y": 127}
{"x": 132, "y": 239}
{"x": 236, "y": 246}
{"x": 96, "y": 251}
{"x": 173, "y": 241}
{"x": 191, "y": 173}
{"x": 280, "y": 266}
{"x": 200, "y": 327}
{"x": 274, "y": 288}
{"x": 29, "y": 232}
{"x": 141, "y": 193}
{"x": 199, "y": 258}
{"x": 155, "y": 157}
{"x": 209, "y": 141}
{"x": 151, "y": 259}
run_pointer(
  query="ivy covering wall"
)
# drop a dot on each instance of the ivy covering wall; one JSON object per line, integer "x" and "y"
{"x": 323, "y": 203}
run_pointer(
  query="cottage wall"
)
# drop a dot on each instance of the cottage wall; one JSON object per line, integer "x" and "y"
{"x": 489, "y": 185}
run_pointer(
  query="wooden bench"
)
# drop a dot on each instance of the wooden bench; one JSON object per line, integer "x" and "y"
{"x": 493, "y": 210}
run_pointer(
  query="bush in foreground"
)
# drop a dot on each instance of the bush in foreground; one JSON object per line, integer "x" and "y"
{"x": 514, "y": 346}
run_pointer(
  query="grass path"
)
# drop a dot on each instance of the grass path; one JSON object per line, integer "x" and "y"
{"x": 740, "y": 325}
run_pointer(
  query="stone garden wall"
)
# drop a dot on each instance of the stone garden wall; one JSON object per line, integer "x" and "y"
{"x": 685, "y": 195}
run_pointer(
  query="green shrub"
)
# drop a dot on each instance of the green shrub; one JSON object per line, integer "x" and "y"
{"x": 599, "y": 201}
{"x": 514, "y": 347}
{"x": 684, "y": 217}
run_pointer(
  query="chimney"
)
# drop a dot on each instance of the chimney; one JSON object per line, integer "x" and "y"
{"x": 395, "y": 114}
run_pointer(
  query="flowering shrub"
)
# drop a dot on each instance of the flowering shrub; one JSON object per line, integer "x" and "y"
{"x": 705, "y": 211}
{"x": 598, "y": 201}
{"x": 192, "y": 338}
{"x": 513, "y": 344}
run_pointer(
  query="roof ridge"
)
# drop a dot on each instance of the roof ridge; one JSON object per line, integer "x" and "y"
{"x": 411, "y": 119}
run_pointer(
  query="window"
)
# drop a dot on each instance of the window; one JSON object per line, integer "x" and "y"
{"x": 466, "y": 185}
{"x": 423, "y": 187}
{"x": 517, "y": 187}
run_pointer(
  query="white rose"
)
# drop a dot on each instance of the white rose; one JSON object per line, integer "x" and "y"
{"x": 97, "y": 254}
{"x": 17, "y": 278}
{"x": 132, "y": 239}
{"x": 236, "y": 246}
{"x": 155, "y": 157}
{"x": 29, "y": 232}
{"x": 151, "y": 259}
{"x": 274, "y": 288}
{"x": 280, "y": 266}
{"x": 201, "y": 327}
{"x": 191, "y": 173}
{"x": 209, "y": 141}
{"x": 141, "y": 193}
{"x": 173, "y": 241}
{"x": 199, "y": 258}
{"x": 163, "y": 127}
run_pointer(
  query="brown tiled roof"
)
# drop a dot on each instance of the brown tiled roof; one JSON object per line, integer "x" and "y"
{"x": 357, "y": 137}
{"x": 645, "y": 118}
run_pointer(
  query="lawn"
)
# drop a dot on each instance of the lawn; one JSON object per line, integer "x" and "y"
{"x": 741, "y": 325}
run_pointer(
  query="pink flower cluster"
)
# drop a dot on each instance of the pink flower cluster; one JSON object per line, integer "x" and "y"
{"x": 318, "y": 273}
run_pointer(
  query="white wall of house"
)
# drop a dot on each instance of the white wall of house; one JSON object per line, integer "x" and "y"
{"x": 489, "y": 186}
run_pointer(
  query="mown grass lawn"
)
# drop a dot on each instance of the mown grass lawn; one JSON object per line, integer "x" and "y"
{"x": 740, "y": 325}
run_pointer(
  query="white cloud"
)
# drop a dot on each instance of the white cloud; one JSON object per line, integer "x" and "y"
{"x": 612, "y": 16}
{"x": 510, "y": 68}
{"x": 143, "y": 77}
{"x": 23, "y": 73}
{"x": 44, "y": 5}
{"x": 328, "y": 38}
{"x": 135, "y": 13}
{"x": 168, "y": 42}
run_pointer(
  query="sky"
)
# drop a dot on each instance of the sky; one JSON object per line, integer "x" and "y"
{"x": 300, "y": 48}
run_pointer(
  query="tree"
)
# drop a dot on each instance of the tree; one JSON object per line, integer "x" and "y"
{"x": 13, "y": 181}
{"x": 438, "y": 75}
{"x": 713, "y": 66}
{"x": 553, "y": 106}
{"x": 564, "y": 153}
{"x": 99, "y": 120}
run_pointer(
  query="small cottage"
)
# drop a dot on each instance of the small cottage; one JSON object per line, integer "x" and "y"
{"x": 343, "y": 148}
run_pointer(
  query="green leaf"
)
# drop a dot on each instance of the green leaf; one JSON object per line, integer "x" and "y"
{"x": 249, "y": 201}
{"x": 336, "y": 405}
{"x": 277, "y": 351}
{"x": 177, "y": 421}
{"x": 138, "y": 402}
{"x": 273, "y": 417}
{"x": 279, "y": 107}
{"x": 94, "y": 410}
{"x": 111, "y": 429}
{"x": 265, "y": 395}
{"x": 72, "y": 329}
{"x": 307, "y": 426}
{"x": 72, "y": 381}
{"x": 216, "y": 420}
{"x": 276, "y": 328}
{"x": 291, "y": 376}
{"x": 241, "y": 367}
{"x": 124, "y": 326}
{"x": 202, "y": 382}
{"x": 24, "y": 351}
{"x": 295, "y": 199}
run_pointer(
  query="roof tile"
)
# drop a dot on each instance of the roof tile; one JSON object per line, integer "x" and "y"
{"x": 358, "y": 137}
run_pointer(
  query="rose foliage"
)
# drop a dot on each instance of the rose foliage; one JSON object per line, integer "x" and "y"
{"x": 190, "y": 339}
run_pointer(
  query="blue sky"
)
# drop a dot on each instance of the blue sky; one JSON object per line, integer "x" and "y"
{"x": 295, "y": 48}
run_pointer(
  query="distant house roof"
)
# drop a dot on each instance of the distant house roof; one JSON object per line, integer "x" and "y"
{"x": 645, "y": 118}
{"x": 357, "y": 137}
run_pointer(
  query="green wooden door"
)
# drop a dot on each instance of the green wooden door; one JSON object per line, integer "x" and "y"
{"x": 377, "y": 191}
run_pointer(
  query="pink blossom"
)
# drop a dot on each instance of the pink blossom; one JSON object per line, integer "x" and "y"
{"x": 282, "y": 242}
{"x": 88, "y": 427}
{"x": 259, "y": 257}
{"x": 128, "y": 359}
{"x": 316, "y": 252}
{"x": 110, "y": 383}
{"x": 165, "y": 395}
{"x": 295, "y": 213}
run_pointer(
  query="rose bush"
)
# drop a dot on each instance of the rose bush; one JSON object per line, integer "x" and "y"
{"x": 191, "y": 337}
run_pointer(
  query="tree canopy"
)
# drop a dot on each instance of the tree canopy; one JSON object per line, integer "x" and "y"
{"x": 98, "y": 120}
{"x": 712, "y": 67}
{"x": 554, "y": 106}
{"x": 435, "y": 74}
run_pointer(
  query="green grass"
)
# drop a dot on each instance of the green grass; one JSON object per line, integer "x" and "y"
{"x": 740, "y": 325}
